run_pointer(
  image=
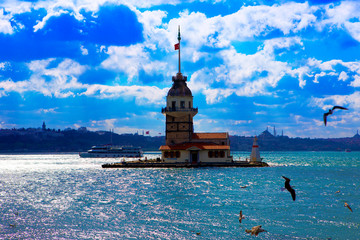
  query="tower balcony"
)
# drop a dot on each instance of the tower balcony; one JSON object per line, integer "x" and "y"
{"x": 177, "y": 111}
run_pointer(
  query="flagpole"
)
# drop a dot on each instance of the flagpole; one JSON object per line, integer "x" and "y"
{"x": 179, "y": 38}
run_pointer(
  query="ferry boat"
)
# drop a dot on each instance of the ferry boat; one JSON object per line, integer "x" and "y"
{"x": 111, "y": 151}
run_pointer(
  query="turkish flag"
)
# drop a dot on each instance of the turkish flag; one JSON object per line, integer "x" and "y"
{"x": 177, "y": 46}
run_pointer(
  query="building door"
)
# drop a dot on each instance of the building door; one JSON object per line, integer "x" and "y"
{"x": 194, "y": 157}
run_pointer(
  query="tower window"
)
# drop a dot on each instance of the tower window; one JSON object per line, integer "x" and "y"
{"x": 173, "y": 105}
{"x": 182, "y": 104}
{"x": 189, "y": 104}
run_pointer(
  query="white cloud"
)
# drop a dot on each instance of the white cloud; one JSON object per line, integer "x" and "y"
{"x": 340, "y": 16}
{"x": 50, "y": 14}
{"x": 268, "y": 105}
{"x": 352, "y": 101}
{"x": 300, "y": 73}
{"x": 142, "y": 94}
{"x": 84, "y": 51}
{"x": 131, "y": 60}
{"x": 241, "y": 122}
{"x": 343, "y": 76}
{"x": 5, "y": 25}
{"x": 215, "y": 95}
{"x": 106, "y": 123}
{"x": 356, "y": 82}
{"x": 328, "y": 68}
{"x": 4, "y": 65}
{"x": 48, "y": 110}
{"x": 316, "y": 79}
{"x": 62, "y": 81}
{"x": 63, "y": 78}
{"x": 246, "y": 75}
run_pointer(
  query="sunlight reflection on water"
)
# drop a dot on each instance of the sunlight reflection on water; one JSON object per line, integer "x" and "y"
{"x": 65, "y": 197}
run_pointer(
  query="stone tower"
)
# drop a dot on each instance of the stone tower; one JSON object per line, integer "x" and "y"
{"x": 179, "y": 109}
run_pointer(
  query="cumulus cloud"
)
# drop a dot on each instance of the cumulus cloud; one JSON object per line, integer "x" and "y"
{"x": 351, "y": 101}
{"x": 343, "y": 76}
{"x": 131, "y": 60}
{"x": 5, "y": 25}
{"x": 341, "y": 16}
{"x": 62, "y": 81}
{"x": 84, "y": 51}
{"x": 356, "y": 82}
{"x": 63, "y": 78}
{"x": 142, "y": 94}
{"x": 245, "y": 75}
{"x": 106, "y": 123}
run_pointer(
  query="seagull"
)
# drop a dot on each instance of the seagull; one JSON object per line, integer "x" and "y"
{"x": 255, "y": 230}
{"x": 241, "y": 217}
{"x": 289, "y": 188}
{"x": 331, "y": 112}
{"x": 348, "y": 206}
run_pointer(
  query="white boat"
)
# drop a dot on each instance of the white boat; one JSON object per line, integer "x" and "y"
{"x": 111, "y": 151}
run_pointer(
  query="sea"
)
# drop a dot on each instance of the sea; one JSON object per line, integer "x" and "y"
{"x": 63, "y": 196}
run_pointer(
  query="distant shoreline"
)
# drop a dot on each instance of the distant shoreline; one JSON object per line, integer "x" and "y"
{"x": 74, "y": 141}
{"x": 71, "y": 153}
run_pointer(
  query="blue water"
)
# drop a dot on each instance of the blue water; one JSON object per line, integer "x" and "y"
{"x": 65, "y": 197}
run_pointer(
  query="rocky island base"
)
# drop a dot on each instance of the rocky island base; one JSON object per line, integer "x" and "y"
{"x": 157, "y": 164}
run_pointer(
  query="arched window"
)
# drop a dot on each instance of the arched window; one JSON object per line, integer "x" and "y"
{"x": 177, "y": 154}
{"x": 210, "y": 154}
{"x": 166, "y": 154}
{"x": 222, "y": 154}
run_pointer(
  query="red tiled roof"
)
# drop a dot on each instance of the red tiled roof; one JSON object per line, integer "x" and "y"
{"x": 202, "y": 146}
{"x": 209, "y": 135}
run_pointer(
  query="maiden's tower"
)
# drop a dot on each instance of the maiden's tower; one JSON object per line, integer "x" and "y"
{"x": 182, "y": 144}
{"x": 184, "y": 147}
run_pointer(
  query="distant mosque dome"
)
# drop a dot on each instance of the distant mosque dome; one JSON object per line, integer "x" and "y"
{"x": 179, "y": 87}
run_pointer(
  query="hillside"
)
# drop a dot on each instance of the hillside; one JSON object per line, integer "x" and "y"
{"x": 36, "y": 140}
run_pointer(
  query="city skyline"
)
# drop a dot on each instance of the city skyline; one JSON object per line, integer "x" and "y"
{"x": 250, "y": 65}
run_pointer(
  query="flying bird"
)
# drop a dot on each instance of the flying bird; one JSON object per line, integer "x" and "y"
{"x": 255, "y": 230}
{"x": 348, "y": 206}
{"x": 289, "y": 188}
{"x": 241, "y": 217}
{"x": 331, "y": 112}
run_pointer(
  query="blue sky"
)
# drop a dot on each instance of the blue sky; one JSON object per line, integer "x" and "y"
{"x": 250, "y": 64}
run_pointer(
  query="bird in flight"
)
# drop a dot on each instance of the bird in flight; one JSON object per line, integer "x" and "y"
{"x": 348, "y": 206}
{"x": 241, "y": 217}
{"x": 331, "y": 112}
{"x": 255, "y": 230}
{"x": 289, "y": 188}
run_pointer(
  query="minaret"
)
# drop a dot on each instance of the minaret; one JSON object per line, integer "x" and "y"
{"x": 274, "y": 132}
{"x": 179, "y": 109}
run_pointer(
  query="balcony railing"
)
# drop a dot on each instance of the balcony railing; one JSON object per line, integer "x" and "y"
{"x": 178, "y": 109}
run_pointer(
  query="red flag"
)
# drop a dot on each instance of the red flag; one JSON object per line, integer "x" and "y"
{"x": 147, "y": 132}
{"x": 177, "y": 46}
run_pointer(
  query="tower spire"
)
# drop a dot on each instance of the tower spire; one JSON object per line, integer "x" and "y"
{"x": 179, "y": 38}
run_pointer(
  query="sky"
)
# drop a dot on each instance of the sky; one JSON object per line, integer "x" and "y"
{"x": 251, "y": 65}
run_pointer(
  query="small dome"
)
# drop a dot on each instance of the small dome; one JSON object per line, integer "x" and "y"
{"x": 179, "y": 87}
